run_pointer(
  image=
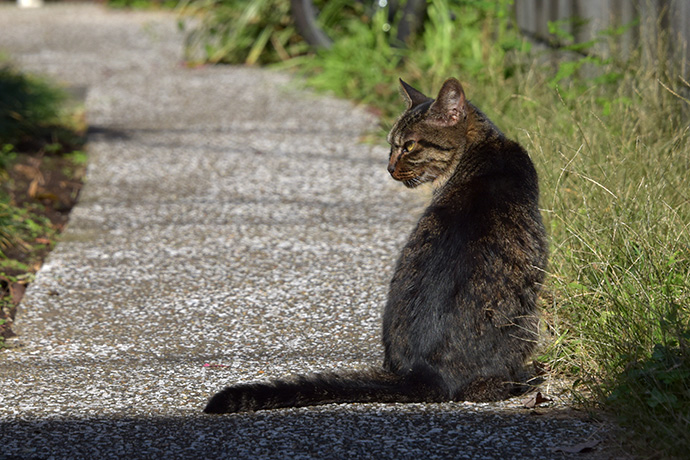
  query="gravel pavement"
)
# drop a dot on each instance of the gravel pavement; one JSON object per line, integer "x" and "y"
{"x": 233, "y": 227}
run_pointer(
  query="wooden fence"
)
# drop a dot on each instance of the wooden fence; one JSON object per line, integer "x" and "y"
{"x": 671, "y": 17}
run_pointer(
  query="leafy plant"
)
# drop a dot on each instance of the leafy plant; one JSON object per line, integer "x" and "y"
{"x": 660, "y": 384}
{"x": 585, "y": 64}
{"x": 235, "y": 31}
{"x": 7, "y": 155}
{"x": 19, "y": 227}
{"x": 7, "y": 234}
{"x": 362, "y": 58}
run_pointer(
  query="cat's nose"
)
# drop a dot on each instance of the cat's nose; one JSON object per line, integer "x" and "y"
{"x": 391, "y": 168}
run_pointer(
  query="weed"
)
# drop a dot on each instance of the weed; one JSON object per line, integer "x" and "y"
{"x": 365, "y": 42}
{"x": 7, "y": 155}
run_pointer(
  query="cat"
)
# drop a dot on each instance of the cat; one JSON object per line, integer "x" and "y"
{"x": 461, "y": 316}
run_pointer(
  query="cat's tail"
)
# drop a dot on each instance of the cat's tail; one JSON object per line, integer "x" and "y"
{"x": 372, "y": 385}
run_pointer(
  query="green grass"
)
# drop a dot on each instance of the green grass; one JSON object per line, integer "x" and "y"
{"x": 617, "y": 208}
{"x": 258, "y": 32}
{"x": 611, "y": 141}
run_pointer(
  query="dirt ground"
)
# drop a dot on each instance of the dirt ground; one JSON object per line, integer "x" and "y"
{"x": 47, "y": 186}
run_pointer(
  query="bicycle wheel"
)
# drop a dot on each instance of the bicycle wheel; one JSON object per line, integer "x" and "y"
{"x": 412, "y": 19}
{"x": 306, "y": 15}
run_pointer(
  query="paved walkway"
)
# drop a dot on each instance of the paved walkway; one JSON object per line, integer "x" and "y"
{"x": 232, "y": 228}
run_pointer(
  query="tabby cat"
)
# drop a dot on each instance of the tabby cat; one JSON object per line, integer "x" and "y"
{"x": 461, "y": 316}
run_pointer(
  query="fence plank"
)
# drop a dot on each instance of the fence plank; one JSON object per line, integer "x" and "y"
{"x": 670, "y": 16}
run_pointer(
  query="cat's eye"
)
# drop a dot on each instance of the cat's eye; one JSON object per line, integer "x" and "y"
{"x": 409, "y": 146}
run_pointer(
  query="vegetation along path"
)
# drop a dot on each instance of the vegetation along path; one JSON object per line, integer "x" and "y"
{"x": 232, "y": 228}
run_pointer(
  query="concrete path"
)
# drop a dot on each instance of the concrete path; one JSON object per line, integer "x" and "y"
{"x": 232, "y": 228}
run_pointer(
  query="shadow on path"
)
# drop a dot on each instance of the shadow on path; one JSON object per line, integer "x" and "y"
{"x": 413, "y": 431}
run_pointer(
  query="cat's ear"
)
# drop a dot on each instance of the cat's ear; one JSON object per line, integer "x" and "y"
{"x": 450, "y": 105}
{"x": 412, "y": 97}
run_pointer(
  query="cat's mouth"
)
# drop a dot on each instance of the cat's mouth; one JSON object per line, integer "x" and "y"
{"x": 411, "y": 180}
{"x": 408, "y": 178}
